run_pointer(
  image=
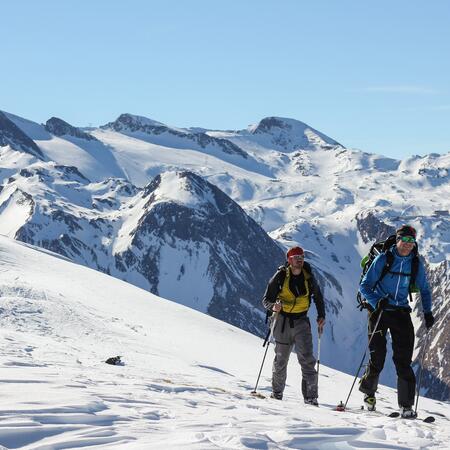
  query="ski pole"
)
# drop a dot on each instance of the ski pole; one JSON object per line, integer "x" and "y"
{"x": 266, "y": 344}
{"x": 318, "y": 357}
{"x": 420, "y": 369}
{"x": 342, "y": 407}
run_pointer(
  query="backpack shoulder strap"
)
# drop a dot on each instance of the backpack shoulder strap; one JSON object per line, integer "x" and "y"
{"x": 388, "y": 243}
{"x": 414, "y": 269}
{"x": 307, "y": 269}
{"x": 281, "y": 276}
{"x": 386, "y": 268}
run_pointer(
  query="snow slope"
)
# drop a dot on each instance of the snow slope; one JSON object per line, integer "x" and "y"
{"x": 185, "y": 381}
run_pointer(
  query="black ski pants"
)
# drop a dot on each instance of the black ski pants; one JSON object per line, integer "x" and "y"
{"x": 399, "y": 324}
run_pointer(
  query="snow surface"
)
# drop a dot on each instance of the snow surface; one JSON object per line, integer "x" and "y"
{"x": 185, "y": 381}
{"x": 14, "y": 211}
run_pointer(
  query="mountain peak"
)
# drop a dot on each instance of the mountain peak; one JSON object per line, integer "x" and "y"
{"x": 183, "y": 187}
{"x": 133, "y": 122}
{"x": 185, "y": 231}
{"x": 291, "y": 134}
{"x": 270, "y": 123}
{"x": 59, "y": 127}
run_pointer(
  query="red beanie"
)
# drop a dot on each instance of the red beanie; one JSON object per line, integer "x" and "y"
{"x": 295, "y": 251}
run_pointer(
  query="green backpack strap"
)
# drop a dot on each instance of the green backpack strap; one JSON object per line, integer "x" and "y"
{"x": 386, "y": 268}
{"x": 364, "y": 262}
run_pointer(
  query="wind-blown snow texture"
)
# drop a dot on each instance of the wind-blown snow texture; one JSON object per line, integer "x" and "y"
{"x": 185, "y": 381}
{"x": 97, "y": 201}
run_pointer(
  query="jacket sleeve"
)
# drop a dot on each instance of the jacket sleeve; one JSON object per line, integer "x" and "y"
{"x": 367, "y": 285}
{"x": 422, "y": 284}
{"x": 272, "y": 291}
{"x": 317, "y": 297}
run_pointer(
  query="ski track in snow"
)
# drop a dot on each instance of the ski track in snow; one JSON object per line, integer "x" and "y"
{"x": 185, "y": 381}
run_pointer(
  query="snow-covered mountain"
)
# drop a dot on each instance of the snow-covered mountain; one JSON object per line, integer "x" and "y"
{"x": 185, "y": 381}
{"x": 179, "y": 237}
{"x": 290, "y": 135}
{"x": 299, "y": 185}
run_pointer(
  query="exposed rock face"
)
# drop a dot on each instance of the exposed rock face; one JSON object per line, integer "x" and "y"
{"x": 12, "y": 135}
{"x": 269, "y": 123}
{"x": 130, "y": 122}
{"x": 59, "y": 127}
{"x": 372, "y": 229}
{"x": 436, "y": 367}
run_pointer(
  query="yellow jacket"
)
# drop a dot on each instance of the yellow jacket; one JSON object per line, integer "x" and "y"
{"x": 291, "y": 303}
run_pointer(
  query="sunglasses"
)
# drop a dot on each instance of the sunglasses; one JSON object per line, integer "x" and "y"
{"x": 408, "y": 239}
{"x": 298, "y": 257}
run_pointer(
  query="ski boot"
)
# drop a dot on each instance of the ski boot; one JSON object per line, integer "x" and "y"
{"x": 406, "y": 412}
{"x": 276, "y": 395}
{"x": 311, "y": 401}
{"x": 370, "y": 401}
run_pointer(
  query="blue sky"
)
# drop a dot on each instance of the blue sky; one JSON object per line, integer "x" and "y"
{"x": 374, "y": 75}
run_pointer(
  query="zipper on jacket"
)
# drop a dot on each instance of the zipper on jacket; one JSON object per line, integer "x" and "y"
{"x": 295, "y": 296}
{"x": 398, "y": 283}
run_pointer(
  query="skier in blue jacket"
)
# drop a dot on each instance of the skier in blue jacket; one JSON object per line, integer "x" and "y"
{"x": 389, "y": 296}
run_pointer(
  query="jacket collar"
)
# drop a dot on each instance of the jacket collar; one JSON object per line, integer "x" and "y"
{"x": 394, "y": 251}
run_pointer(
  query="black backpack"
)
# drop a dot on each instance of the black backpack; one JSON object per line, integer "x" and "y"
{"x": 384, "y": 247}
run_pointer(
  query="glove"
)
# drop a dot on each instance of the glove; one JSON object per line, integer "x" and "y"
{"x": 382, "y": 303}
{"x": 320, "y": 324}
{"x": 276, "y": 307}
{"x": 429, "y": 320}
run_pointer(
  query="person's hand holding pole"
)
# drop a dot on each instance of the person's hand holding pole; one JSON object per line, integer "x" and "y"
{"x": 277, "y": 306}
{"x": 320, "y": 324}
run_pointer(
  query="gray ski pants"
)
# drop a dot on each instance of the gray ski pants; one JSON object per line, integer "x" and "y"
{"x": 296, "y": 333}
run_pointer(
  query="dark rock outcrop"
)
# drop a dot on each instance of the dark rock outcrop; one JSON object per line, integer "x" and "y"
{"x": 371, "y": 228}
{"x": 59, "y": 127}
{"x": 12, "y": 135}
{"x": 436, "y": 368}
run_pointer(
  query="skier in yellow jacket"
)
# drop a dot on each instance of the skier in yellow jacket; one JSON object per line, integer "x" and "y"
{"x": 289, "y": 294}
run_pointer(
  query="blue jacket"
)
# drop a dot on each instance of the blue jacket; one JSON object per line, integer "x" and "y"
{"x": 393, "y": 285}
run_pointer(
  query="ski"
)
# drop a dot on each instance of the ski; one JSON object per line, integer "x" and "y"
{"x": 394, "y": 414}
{"x": 428, "y": 419}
